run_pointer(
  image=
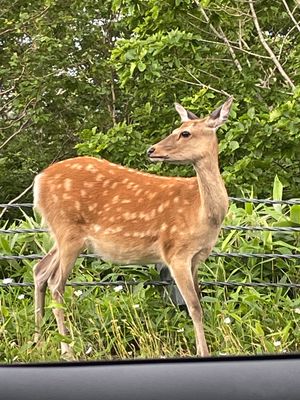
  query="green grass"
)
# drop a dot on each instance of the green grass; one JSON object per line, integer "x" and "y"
{"x": 104, "y": 324}
{"x": 140, "y": 322}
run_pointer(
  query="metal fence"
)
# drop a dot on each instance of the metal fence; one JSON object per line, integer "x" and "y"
{"x": 167, "y": 281}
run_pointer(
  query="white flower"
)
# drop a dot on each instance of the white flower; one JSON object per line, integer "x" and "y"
{"x": 89, "y": 350}
{"x": 21, "y": 296}
{"x": 136, "y": 306}
{"x": 118, "y": 288}
{"x": 297, "y": 310}
{"x": 227, "y": 320}
{"x": 180, "y": 330}
{"x": 7, "y": 280}
{"x": 277, "y": 343}
{"x": 78, "y": 293}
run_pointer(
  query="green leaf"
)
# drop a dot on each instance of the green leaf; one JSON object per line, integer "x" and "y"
{"x": 234, "y": 145}
{"x": 277, "y": 193}
{"x": 295, "y": 214}
{"x": 141, "y": 66}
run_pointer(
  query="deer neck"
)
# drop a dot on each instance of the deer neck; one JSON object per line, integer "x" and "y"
{"x": 213, "y": 194}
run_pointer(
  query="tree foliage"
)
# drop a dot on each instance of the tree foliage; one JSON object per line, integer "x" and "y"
{"x": 106, "y": 74}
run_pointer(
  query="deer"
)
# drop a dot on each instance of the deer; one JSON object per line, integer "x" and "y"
{"x": 128, "y": 216}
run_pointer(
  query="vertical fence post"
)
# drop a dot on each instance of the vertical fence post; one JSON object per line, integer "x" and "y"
{"x": 172, "y": 290}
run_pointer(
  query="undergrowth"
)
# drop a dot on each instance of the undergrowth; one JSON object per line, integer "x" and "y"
{"x": 137, "y": 321}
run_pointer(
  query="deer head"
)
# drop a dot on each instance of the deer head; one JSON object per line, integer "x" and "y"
{"x": 194, "y": 139}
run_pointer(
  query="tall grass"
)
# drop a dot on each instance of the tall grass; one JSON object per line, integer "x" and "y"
{"x": 140, "y": 322}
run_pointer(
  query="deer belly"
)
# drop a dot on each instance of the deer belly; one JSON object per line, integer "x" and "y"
{"x": 114, "y": 249}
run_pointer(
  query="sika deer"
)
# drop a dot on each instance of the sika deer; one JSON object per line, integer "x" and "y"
{"x": 127, "y": 216}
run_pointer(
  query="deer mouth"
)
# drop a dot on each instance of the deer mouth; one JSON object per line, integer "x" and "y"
{"x": 158, "y": 158}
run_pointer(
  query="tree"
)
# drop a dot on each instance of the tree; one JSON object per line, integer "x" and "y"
{"x": 55, "y": 78}
{"x": 110, "y": 72}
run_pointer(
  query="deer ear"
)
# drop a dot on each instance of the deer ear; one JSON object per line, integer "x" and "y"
{"x": 185, "y": 115}
{"x": 220, "y": 115}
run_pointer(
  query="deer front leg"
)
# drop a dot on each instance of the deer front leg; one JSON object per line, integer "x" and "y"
{"x": 182, "y": 274}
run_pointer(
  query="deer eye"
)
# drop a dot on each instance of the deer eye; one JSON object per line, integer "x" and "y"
{"x": 185, "y": 134}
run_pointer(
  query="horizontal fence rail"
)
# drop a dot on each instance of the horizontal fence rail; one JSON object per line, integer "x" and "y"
{"x": 269, "y": 256}
{"x": 233, "y": 199}
{"x": 226, "y": 227}
{"x": 213, "y": 254}
{"x": 162, "y": 283}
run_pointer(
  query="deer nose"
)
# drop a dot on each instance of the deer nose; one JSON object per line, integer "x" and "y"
{"x": 150, "y": 151}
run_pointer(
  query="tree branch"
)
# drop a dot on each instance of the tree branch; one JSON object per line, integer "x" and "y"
{"x": 267, "y": 48}
{"x": 24, "y": 125}
{"x": 199, "y": 83}
{"x": 291, "y": 15}
{"x": 16, "y": 199}
{"x": 221, "y": 35}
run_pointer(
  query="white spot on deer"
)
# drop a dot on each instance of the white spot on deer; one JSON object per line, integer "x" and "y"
{"x": 125, "y": 180}
{"x": 91, "y": 168}
{"x": 173, "y": 229}
{"x": 126, "y": 201}
{"x": 77, "y": 205}
{"x": 181, "y": 210}
{"x": 114, "y": 185}
{"x": 138, "y": 192}
{"x": 83, "y": 193}
{"x": 59, "y": 186}
{"x": 97, "y": 228}
{"x": 66, "y": 196}
{"x": 76, "y": 166}
{"x": 160, "y": 208}
{"x": 126, "y": 216}
{"x": 92, "y": 207}
{"x": 55, "y": 198}
{"x": 116, "y": 199}
{"x": 99, "y": 177}
{"x": 153, "y": 213}
{"x": 151, "y": 195}
{"x": 106, "y": 183}
{"x": 68, "y": 184}
{"x": 147, "y": 217}
{"x": 136, "y": 234}
{"x": 129, "y": 185}
{"x": 117, "y": 229}
{"x": 111, "y": 171}
{"x": 88, "y": 184}
{"x": 105, "y": 192}
{"x": 57, "y": 176}
{"x": 186, "y": 202}
{"x": 127, "y": 234}
{"x": 176, "y": 199}
{"x": 164, "y": 227}
{"x": 112, "y": 219}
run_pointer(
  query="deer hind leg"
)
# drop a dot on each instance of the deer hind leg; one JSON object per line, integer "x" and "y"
{"x": 41, "y": 273}
{"x": 68, "y": 252}
{"x": 183, "y": 276}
